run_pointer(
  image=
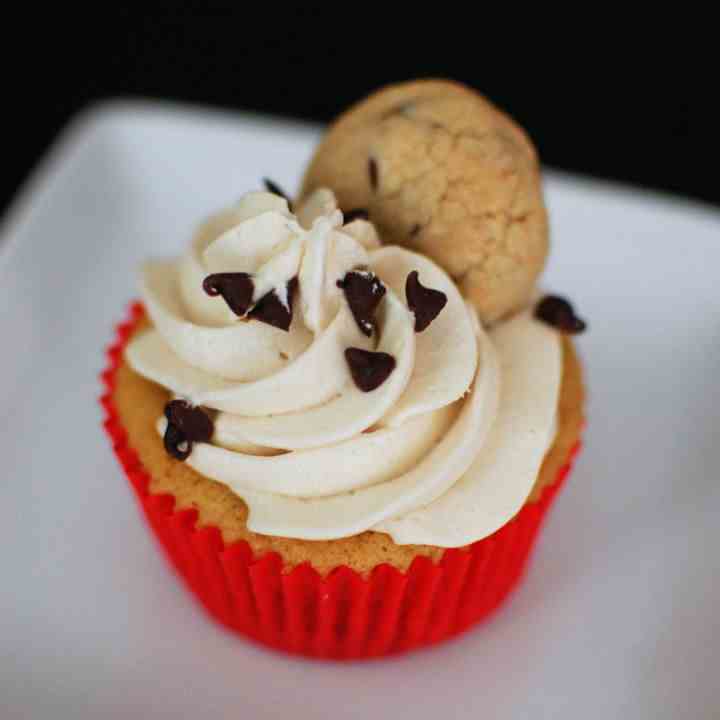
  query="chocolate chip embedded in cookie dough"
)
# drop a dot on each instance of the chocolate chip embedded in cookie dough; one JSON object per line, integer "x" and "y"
{"x": 271, "y": 310}
{"x": 363, "y": 292}
{"x": 559, "y": 313}
{"x": 236, "y": 289}
{"x": 186, "y": 425}
{"x": 355, "y": 214}
{"x": 275, "y": 189}
{"x": 425, "y": 303}
{"x": 373, "y": 173}
{"x": 369, "y": 369}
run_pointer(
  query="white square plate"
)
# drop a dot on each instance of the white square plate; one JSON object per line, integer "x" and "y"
{"x": 618, "y": 616}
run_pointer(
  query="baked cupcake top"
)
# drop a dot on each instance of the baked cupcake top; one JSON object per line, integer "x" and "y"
{"x": 338, "y": 385}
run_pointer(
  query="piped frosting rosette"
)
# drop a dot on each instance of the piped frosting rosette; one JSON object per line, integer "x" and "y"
{"x": 344, "y": 386}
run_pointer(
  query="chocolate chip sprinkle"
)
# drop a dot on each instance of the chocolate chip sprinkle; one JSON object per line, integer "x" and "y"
{"x": 373, "y": 173}
{"x": 363, "y": 292}
{"x": 426, "y": 303}
{"x": 355, "y": 214}
{"x": 559, "y": 313}
{"x": 269, "y": 309}
{"x": 236, "y": 289}
{"x": 176, "y": 444}
{"x": 186, "y": 425}
{"x": 369, "y": 369}
{"x": 191, "y": 420}
{"x": 275, "y": 189}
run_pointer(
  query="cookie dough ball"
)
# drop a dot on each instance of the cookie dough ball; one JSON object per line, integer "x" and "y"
{"x": 444, "y": 172}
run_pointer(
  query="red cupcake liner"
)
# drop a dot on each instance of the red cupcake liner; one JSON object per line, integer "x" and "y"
{"x": 344, "y": 615}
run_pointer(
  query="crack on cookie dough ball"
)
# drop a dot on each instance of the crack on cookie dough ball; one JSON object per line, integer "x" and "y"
{"x": 404, "y": 108}
{"x": 442, "y": 171}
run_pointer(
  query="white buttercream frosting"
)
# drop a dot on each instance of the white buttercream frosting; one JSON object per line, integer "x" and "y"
{"x": 443, "y": 452}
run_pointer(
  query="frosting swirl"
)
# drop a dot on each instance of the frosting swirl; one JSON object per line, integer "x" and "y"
{"x": 444, "y": 450}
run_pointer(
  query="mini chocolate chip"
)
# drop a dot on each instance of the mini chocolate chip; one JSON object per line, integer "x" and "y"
{"x": 559, "y": 313}
{"x": 426, "y": 303}
{"x": 186, "y": 424}
{"x": 415, "y": 230}
{"x": 369, "y": 369}
{"x": 373, "y": 173}
{"x": 190, "y": 420}
{"x": 363, "y": 292}
{"x": 356, "y": 214}
{"x": 236, "y": 289}
{"x": 176, "y": 444}
{"x": 270, "y": 310}
{"x": 275, "y": 189}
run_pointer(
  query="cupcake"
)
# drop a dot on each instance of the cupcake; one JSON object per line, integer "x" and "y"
{"x": 345, "y": 421}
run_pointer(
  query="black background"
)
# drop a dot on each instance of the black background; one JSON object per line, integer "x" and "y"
{"x": 611, "y": 107}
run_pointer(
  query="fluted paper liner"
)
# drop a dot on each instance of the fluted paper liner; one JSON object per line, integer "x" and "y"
{"x": 343, "y": 615}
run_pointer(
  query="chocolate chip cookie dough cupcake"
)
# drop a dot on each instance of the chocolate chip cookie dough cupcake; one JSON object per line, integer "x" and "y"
{"x": 342, "y": 454}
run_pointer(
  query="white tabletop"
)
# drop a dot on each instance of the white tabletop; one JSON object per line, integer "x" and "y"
{"x": 618, "y": 615}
